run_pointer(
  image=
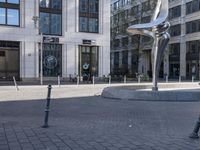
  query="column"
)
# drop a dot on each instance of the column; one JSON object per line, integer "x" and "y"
{"x": 183, "y": 59}
{"x": 183, "y": 42}
{"x": 64, "y": 60}
{"x": 130, "y": 61}
{"x": 166, "y": 62}
{"x": 71, "y": 60}
{"x": 29, "y": 57}
{"x": 106, "y": 60}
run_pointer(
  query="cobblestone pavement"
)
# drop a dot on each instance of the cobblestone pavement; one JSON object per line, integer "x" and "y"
{"x": 94, "y": 123}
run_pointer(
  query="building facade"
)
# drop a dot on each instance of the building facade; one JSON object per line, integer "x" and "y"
{"x": 182, "y": 58}
{"x": 130, "y": 54}
{"x": 63, "y": 37}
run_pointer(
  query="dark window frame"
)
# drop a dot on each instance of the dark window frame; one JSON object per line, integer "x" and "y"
{"x": 174, "y": 49}
{"x": 192, "y": 47}
{"x": 193, "y": 26}
{"x": 175, "y": 12}
{"x": 175, "y": 30}
{"x": 191, "y": 7}
{"x": 52, "y": 11}
{"x": 5, "y": 5}
{"x": 89, "y": 15}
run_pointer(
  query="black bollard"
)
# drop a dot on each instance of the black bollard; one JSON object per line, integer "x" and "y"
{"x": 47, "y": 108}
{"x": 194, "y": 134}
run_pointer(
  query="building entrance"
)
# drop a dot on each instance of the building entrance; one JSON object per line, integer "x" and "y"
{"x": 9, "y": 60}
{"x": 52, "y": 60}
{"x": 9, "y": 64}
{"x": 88, "y": 61}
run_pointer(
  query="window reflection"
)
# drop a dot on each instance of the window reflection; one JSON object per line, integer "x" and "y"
{"x": 83, "y": 24}
{"x": 93, "y": 25}
{"x": 45, "y": 3}
{"x": 55, "y": 4}
{"x": 9, "y": 12}
{"x": 50, "y": 23}
{"x": 89, "y": 16}
{"x": 56, "y": 24}
{"x": 44, "y": 23}
{"x": 13, "y": 1}
{"x": 83, "y": 5}
{"x": 13, "y": 17}
{"x": 2, "y": 15}
{"x": 51, "y": 17}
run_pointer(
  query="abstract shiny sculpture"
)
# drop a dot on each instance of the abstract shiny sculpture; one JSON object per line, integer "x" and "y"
{"x": 157, "y": 29}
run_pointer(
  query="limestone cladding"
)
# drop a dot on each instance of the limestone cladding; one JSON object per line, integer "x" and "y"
{"x": 27, "y": 35}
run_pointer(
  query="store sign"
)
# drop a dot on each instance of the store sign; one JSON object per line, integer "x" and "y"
{"x": 88, "y": 42}
{"x": 86, "y": 66}
{"x": 47, "y": 39}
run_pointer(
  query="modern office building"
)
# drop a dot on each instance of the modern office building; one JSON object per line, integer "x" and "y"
{"x": 182, "y": 58}
{"x": 71, "y": 36}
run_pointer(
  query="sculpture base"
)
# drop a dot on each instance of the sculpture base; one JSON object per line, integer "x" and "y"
{"x": 167, "y": 92}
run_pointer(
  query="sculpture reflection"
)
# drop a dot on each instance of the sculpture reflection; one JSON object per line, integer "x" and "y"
{"x": 157, "y": 29}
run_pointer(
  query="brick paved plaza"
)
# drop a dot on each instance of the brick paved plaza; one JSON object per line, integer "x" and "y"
{"x": 94, "y": 123}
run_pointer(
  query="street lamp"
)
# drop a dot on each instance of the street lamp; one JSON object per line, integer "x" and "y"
{"x": 36, "y": 19}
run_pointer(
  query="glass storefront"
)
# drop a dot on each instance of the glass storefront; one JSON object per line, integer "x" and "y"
{"x": 88, "y": 61}
{"x": 9, "y": 60}
{"x": 52, "y": 60}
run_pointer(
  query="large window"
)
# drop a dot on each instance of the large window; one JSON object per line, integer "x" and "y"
{"x": 193, "y": 47}
{"x": 116, "y": 5}
{"x": 125, "y": 41}
{"x": 134, "y": 10}
{"x": 125, "y": 62}
{"x": 174, "y": 49}
{"x": 51, "y": 17}
{"x": 146, "y": 6}
{"x": 193, "y": 6}
{"x": 9, "y": 12}
{"x": 193, "y": 26}
{"x": 175, "y": 12}
{"x": 175, "y": 30}
{"x": 116, "y": 43}
{"x": 116, "y": 60}
{"x": 89, "y": 16}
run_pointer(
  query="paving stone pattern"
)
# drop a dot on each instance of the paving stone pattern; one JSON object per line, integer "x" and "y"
{"x": 94, "y": 123}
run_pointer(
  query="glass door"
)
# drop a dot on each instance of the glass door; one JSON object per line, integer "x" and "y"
{"x": 52, "y": 60}
{"x": 88, "y": 62}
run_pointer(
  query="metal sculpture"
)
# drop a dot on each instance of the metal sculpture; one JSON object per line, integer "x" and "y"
{"x": 157, "y": 29}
